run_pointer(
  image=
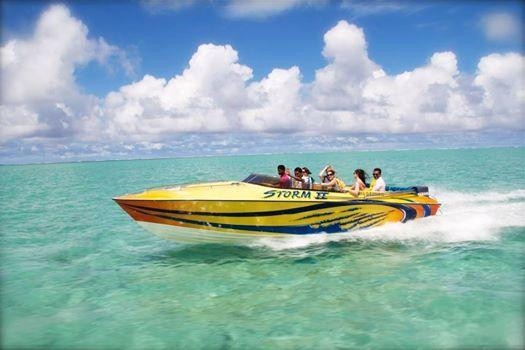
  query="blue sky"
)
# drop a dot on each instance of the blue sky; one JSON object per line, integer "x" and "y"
{"x": 326, "y": 68}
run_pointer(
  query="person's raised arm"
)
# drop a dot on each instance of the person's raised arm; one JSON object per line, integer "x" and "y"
{"x": 321, "y": 174}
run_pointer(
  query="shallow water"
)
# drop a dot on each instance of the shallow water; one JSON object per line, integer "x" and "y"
{"x": 77, "y": 272}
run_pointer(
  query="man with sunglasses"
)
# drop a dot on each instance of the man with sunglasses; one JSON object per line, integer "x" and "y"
{"x": 377, "y": 184}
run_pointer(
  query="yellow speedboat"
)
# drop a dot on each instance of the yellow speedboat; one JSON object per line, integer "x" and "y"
{"x": 253, "y": 208}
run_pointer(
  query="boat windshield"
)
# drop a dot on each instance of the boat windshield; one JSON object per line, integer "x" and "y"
{"x": 272, "y": 181}
{"x": 260, "y": 179}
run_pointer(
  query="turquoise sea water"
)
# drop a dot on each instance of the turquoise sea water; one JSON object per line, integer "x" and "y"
{"x": 78, "y": 273}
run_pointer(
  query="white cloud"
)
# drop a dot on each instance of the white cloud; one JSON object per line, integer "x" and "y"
{"x": 8, "y": 54}
{"x": 19, "y": 122}
{"x": 356, "y": 95}
{"x": 235, "y": 8}
{"x": 415, "y": 101}
{"x": 338, "y": 85}
{"x": 211, "y": 95}
{"x": 38, "y": 79}
{"x": 216, "y": 94}
{"x": 213, "y": 77}
{"x": 264, "y": 8}
{"x": 275, "y": 102}
{"x": 501, "y": 26}
{"x": 148, "y": 146}
{"x": 371, "y": 7}
{"x": 502, "y": 78}
{"x": 353, "y": 94}
{"x": 41, "y": 68}
{"x": 205, "y": 97}
{"x": 156, "y": 6}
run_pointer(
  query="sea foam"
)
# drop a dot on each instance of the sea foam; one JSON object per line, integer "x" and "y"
{"x": 463, "y": 217}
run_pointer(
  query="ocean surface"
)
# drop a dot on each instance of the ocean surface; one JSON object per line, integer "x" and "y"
{"x": 78, "y": 273}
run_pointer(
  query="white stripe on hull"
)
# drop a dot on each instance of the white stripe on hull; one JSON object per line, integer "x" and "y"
{"x": 193, "y": 235}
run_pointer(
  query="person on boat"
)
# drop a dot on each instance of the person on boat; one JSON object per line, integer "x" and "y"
{"x": 323, "y": 175}
{"x": 377, "y": 184}
{"x": 308, "y": 180}
{"x": 334, "y": 183}
{"x": 360, "y": 180}
{"x": 297, "y": 178}
{"x": 284, "y": 179}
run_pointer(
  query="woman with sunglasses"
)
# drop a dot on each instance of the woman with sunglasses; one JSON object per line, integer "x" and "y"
{"x": 334, "y": 183}
{"x": 360, "y": 180}
{"x": 323, "y": 175}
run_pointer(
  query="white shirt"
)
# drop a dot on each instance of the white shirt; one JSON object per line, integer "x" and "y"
{"x": 296, "y": 183}
{"x": 307, "y": 182}
{"x": 379, "y": 186}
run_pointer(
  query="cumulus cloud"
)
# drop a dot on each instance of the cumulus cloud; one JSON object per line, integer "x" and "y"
{"x": 19, "y": 122}
{"x": 39, "y": 92}
{"x": 351, "y": 94}
{"x": 338, "y": 85}
{"x": 501, "y": 26}
{"x": 216, "y": 94}
{"x": 414, "y": 101}
{"x": 41, "y": 68}
{"x": 275, "y": 102}
{"x": 205, "y": 97}
{"x": 213, "y": 94}
{"x": 502, "y": 80}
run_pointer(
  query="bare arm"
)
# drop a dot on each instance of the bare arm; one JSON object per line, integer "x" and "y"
{"x": 357, "y": 187}
{"x": 321, "y": 174}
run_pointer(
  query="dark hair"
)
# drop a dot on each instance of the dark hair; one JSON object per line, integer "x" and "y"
{"x": 361, "y": 174}
{"x": 281, "y": 167}
{"x": 377, "y": 169}
{"x": 298, "y": 169}
{"x": 307, "y": 170}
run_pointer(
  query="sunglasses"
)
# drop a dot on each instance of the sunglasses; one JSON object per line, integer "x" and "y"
{"x": 377, "y": 174}
{"x": 330, "y": 174}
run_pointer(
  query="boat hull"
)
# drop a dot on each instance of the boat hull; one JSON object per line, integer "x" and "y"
{"x": 197, "y": 220}
{"x": 189, "y": 235}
